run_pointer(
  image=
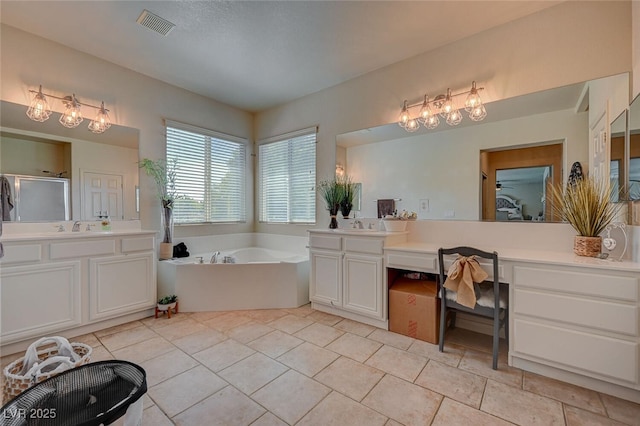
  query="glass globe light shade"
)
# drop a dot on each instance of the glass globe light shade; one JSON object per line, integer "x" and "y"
{"x": 473, "y": 99}
{"x": 432, "y": 122}
{"x": 454, "y": 118}
{"x": 404, "y": 117}
{"x": 39, "y": 109}
{"x": 412, "y": 125}
{"x": 426, "y": 112}
{"x": 447, "y": 105}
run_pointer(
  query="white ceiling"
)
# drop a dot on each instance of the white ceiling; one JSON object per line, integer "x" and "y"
{"x": 255, "y": 55}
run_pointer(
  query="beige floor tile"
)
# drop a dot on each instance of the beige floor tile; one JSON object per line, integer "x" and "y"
{"x": 324, "y": 318}
{"x": 275, "y": 343}
{"x": 308, "y": 358}
{"x": 301, "y": 311}
{"x": 349, "y": 377}
{"x": 143, "y": 351}
{"x": 319, "y": 334}
{"x": 182, "y": 391}
{"x": 267, "y": 315}
{"x": 621, "y": 410}
{"x": 147, "y": 401}
{"x": 205, "y": 316}
{"x": 166, "y": 366}
{"x": 199, "y": 341}
{"x": 390, "y": 338}
{"x": 291, "y": 396}
{"x": 454, "y": 413}
{"x": 252, "y": 373}
{"x": 268, "y": 419}
{"x": 290, "y": 323}
{"x": 227, "y": 321}
{"x": 225, "y": 407}
{"x": 355, "y": 347}
{"x": 164, "y": 320}
{"x": 127, "y": 337}
{"x": 477, "y": 341}
{"x": 402, "y": 401}
{"x": 118, "y": 328}
{"x": 519, "y": 406}
{"x": 452, "y": 354}
{"x": 452, "y": 382}
{"x": 247, "y": 332}
{"x": 337, "y": 409}
{"x": 564, "y": 392}
{"x": 223, "y": 354}
{"x": 481, "y": 363}
{"x": 578, "y": 417}
{"x": 392, "y": 422}
{"x": 100, "y": 353}
{"x": 355, "y": 327}
{"x": 402, "y": 364}
{"x": 153, "y": 416}
{"x": 174, "y": 330}
{"x": 88, "y": 339}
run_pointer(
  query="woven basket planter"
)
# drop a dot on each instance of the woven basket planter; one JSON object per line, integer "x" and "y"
{"x": 587, "y": 246}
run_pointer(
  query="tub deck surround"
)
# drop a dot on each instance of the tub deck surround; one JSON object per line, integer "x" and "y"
{"x": 68, "y": 283}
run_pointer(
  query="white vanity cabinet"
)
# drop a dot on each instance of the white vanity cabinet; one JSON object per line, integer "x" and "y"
{"x": 55, "y": 284}
{"x": 347, "y": 273}
{"x": 579, "y": 320}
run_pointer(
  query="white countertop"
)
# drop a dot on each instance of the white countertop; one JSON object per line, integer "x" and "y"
{"x": 531, "y": 256}
{"x": 70, "y": 235}
{"x": 358, "y": 232}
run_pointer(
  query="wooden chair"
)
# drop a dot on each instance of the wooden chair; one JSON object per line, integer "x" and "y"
{"x": 500, "y": 315}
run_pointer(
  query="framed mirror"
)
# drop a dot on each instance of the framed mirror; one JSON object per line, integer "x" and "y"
{"x": 93, "y": 175}
{"x": 634, "y": 150}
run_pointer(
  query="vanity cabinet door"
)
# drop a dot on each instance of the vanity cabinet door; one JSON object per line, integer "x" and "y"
{"x": 362, "y": 285}
{"x": 325, "y": 284}
{"x": 39, "y": 299}
{"x": 121, "y": 284}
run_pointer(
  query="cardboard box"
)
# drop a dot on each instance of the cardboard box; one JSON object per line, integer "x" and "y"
{"x": 414, "y": 309}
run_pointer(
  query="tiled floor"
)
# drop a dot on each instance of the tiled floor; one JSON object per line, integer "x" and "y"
{"x": 304, "y": 367}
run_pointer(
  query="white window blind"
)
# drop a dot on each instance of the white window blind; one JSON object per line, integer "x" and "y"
{"x": 210, "y": 174}
{"x": 287, "y": 168}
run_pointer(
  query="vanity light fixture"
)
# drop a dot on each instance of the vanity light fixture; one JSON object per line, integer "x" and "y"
{"x": 39, "y": 110}
{"x": 443, "y": 106}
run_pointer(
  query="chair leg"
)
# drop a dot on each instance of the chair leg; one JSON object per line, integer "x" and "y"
{"x": 496, "y": 337}
{"x": 506, "y": 325}
{"x": 443, "y": 323}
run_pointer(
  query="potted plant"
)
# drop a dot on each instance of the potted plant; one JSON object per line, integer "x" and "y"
{"x": 166, "y": 304}
{"x": 586, "y": 204}
{"x": 164, "y": 176}
{"x": 331, "y": 193}
{"x": 349, "y": 193}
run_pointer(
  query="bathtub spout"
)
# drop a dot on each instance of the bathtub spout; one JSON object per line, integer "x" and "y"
{"x": 214, "y": 258}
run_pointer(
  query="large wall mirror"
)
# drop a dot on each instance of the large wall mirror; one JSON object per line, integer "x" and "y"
{"x": 618, "y": 163}
{"x": 440, "y": 173}
{"x": 54, "y": 173}
{"x": 634, "y": 150}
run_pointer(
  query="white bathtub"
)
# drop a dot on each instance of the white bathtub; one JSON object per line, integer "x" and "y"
{"x": 260, "y": 279}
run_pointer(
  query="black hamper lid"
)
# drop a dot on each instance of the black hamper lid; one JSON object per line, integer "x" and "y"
{"x": 92, "y": 394}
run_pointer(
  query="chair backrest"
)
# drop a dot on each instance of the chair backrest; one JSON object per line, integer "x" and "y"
{"x": 466, "y": 252}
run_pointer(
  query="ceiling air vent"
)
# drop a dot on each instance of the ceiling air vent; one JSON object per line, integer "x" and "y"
{"x": 155, "y": 23}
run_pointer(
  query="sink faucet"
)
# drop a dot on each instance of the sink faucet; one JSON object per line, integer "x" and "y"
{"x": 76, "y": 226}
{"x": 358, "y": 224}
{"x": 214, "y": 258}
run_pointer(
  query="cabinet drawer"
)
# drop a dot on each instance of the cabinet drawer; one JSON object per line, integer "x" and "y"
{"x": 80, "y": 249}
{"x": 414, "y": 262}
{"x": 364, "y": 245}
{"x": 594, "y": 284}
{"x": 325, "y": 242}
{"x": 22, "y": 253}
{"x": 598, "y": 314}
{"x": 129, "y": 245}
{"x": 590, "y": 354}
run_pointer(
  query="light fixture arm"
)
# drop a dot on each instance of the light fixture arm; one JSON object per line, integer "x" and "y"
{"x": 441, "y": 98}
{"x": 68, "y": 99}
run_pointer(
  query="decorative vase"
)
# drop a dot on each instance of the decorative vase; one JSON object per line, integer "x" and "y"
{"x": 345, "y": 209}
{"x": 166, "y": 246}
{"x": 168, "y": 308}
{"x": 333, "y": 212}
{"x": 587, "y": 246}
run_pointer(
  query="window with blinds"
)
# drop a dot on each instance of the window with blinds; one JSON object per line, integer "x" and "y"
{"x": 287, "y": 173}
{"x": 209, "y": 175}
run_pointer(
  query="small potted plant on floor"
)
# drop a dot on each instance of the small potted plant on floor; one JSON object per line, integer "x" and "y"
{"x": 167, "y": 304}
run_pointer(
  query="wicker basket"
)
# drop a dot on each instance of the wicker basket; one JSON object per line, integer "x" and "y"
{"x": 15, "y": 383}
{"x": 587, "y": 246}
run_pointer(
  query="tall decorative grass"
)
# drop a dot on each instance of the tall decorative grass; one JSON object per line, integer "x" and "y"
{"x": 332, "y": 192}
{"x": 585, "y": 205}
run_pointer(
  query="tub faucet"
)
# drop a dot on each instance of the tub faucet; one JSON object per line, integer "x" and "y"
{"x": 358, "y": 224}
{"x": 214, "y": 258}
{"x": 76, "y": 226}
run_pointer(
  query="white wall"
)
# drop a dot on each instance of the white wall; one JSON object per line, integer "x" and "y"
{"x": 444, "y": 167}
{"x": 134, "y": 100}
{"x": 555, "y": 47}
